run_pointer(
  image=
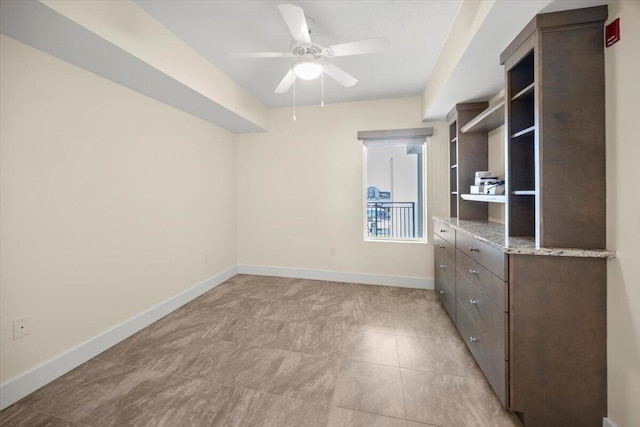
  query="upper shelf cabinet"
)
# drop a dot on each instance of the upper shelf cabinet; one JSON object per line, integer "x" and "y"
{"x": 468, "y": 154}
{"x": 488, "y": 120}
{"x": 555, "y": 141}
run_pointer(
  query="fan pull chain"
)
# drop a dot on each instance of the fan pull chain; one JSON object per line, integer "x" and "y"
{"x": 294, "y": 99}
{"x": 322, "y": 102}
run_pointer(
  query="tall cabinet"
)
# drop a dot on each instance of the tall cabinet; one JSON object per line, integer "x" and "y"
{"x": 529, "y": 297}
{"x": 556, "y": 130}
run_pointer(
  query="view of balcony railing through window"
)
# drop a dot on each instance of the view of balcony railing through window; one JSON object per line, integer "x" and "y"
{"x": 394, "y": 201}
{"x": 391, "y": 219}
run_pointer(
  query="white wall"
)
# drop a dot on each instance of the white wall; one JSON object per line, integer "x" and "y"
{"x": 623, "y": 215}
{"x": 110, "y": 203}
{"x": 300, "y": 190}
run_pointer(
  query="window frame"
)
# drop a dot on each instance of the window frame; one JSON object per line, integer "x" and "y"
{"x": 395, "y": 140}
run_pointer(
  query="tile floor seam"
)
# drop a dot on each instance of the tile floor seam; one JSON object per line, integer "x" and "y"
{"x": 404, "y": 401}
{"x": 371, "y": 363}
{"x": 266, "y": 390}
{"x": 256, "y": 408}
{"x": 139, "y": 368}
{"x": 49, "y": 415}
{"x": 328, "y": 405}
{"x": 372, "y": 413}
{"x": 207, "y": 381}
{"x": 481, "y": 380}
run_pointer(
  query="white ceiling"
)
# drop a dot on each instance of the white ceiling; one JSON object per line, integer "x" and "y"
{"x": 417, "y": 31}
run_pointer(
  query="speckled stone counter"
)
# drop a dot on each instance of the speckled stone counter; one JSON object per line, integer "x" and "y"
{"x": 493, "y": 233}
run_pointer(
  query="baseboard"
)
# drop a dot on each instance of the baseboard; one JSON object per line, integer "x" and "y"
{"x": 338, "y": 276}
{"x": 606, "y": 422}
{"x": 25, "y": 384}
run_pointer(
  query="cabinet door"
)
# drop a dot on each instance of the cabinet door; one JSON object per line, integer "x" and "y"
{"x": 558, "y": 339}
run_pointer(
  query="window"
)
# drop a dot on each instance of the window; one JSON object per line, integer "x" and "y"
{"x": 394, "y": 184}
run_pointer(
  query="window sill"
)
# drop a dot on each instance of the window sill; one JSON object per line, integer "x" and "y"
{"x": 392, "y": 240}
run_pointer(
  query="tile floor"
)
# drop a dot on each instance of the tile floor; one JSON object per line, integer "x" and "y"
{"x": 269, "y": 351}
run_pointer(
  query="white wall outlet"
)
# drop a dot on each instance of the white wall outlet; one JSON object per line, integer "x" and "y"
{"x": 332, "y": 251}
{"x": 21, "y": 327}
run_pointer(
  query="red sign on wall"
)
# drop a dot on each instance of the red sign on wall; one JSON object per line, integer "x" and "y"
{"x": 612, "y": 32}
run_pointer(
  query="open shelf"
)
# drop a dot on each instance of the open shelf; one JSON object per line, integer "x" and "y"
{"x": 525, "y": 131}
{"x": 491, "y": 198}
{"x": 488, "y": 120}
{"x": 526, "y": 93}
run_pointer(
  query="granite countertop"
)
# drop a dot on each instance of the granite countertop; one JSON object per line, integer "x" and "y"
{"x": 493, "y": 233}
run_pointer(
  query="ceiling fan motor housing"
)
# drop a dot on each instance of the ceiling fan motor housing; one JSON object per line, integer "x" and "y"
{"x": 307, "y": 51}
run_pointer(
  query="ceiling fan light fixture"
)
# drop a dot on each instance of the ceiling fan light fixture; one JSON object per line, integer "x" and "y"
{"x": 307, "y": 70}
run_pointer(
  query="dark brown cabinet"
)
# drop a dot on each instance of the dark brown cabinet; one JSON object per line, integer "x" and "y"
{"x": 555, "y": 149}
{"x": 445, "y": 264}
{"x": 468, "y": 153}
{"x": 529, "y": 297}
{"x": 533, "y": 318}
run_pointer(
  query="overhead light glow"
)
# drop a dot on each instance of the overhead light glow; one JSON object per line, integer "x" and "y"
{"x": 307, "y": 70}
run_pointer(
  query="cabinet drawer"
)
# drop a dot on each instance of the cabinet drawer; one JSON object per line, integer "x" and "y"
{"x": 445, "y": 231}
{"x": 494, "y": 287}
{"x": 492, "y": 258}
{"x": 445, "y": 270}
{"x": 443, "y": 247}
{"x": 485, "y": 313}
{"x": 447, "y": 298}
{"x": 445, "y": 283}
{"x": 492, "y": 365}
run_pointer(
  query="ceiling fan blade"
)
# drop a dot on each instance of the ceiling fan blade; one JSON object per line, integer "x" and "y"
{"x": 339, "y": 75}
{"x": 259, "y": 55}
{"x": 294, "y": 17}
{"x": 286, "y": 82}
{"x": 379, "y": 44}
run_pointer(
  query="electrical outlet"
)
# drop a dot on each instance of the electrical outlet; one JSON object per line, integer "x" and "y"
{"x": 21, "y": 327}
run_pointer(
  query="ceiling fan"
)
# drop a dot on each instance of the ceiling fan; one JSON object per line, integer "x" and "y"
{"x": 310, "y": 57}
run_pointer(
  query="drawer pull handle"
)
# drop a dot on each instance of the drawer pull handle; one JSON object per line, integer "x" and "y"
{"x": 441, "y": 246}
{"x": 442, "y": 292}
{"x": 473, "y": 272}
{"x": 472, "y": 249}
{"x": 443, "y": 230}
{"x": 473, "y": 339}
{"x": 473, "y": 302}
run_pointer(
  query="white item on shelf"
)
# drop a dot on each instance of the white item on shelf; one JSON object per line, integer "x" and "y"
{"x": 483, "y": 174}
{"x": 477, "y": 189}
{"x": 485, "y": 180}
{"x": 484, "y": 198}
{"x": 494, "y": 189}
